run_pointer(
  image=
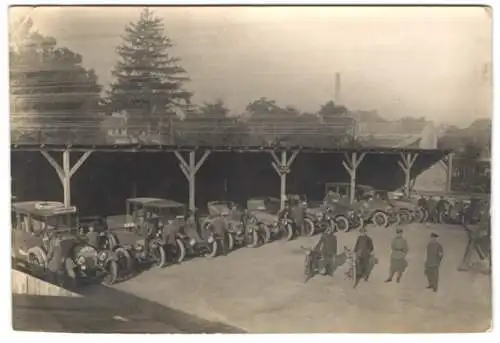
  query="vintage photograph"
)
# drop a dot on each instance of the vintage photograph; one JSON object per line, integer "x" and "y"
{"x": 251, "y": 169}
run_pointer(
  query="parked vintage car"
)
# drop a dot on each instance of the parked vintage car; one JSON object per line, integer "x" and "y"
{"x": 407, "y": 207}
{"x": 345, "y": 215}
{"x": 375, "y": 209}
{"x": 36, "y": 223}
{"x": 140, "y": 232}
{"x": 234, "y": 217}
{"x": 263, "y": 219}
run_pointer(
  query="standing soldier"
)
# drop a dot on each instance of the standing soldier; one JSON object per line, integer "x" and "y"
{"x": 424, "y": 205}
{"x": 440, "y": 209}
{"x": 55, "y": 259}
{"x": 220, "y": 229}
{"x": 298, "y": 214}
{"x": 399, "y": 248}
{"x": 327, "y": 247}
{"x": 363, "y": 250}
{"x": 432, "y": 210}
{"x": 433, "y": 261}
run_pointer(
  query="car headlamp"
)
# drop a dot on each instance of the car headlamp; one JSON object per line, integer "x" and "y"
{"x": 103, "y": 256}
{"x": 81, "y": 260}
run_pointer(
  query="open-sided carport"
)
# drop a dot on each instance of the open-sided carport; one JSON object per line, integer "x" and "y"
{"x": 411, "y": 162}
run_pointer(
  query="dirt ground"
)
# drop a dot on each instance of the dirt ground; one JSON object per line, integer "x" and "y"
{"x": 261, "y": 290}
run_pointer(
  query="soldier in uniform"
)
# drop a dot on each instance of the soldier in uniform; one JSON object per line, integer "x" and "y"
{"x": 298, "y": 214}
{"x": 55, "y": 259}
{"x": 433, "y": 261}
{"x": 432, "y": 210}
{"x": 440, "y": 209}
{"x": 424, "y": 204}
{"x": 220, "y": 229}
{"x": 363, "y": 250}
{"x": 399, "y": 248}
{"x": 327, "y": 247}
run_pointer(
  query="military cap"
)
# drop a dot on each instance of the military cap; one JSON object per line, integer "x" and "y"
{"x": 399, "y": 230}
{"x": 434, "y": 234}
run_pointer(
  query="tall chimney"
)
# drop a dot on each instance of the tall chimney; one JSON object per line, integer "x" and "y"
{"x": 337, "y": 89}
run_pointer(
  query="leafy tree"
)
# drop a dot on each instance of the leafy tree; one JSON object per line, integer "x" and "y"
{"x": 149, "y": 81}
{"x": 263, "y": 106}
{"x": 216, "y": 109}
{"x": 331, "y": 110}
{"x": 52, "y": 96}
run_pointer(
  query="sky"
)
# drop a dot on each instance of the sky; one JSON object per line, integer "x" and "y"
{"x": 422, "y": 61}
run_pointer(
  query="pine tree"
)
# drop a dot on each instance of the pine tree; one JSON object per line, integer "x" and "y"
{"x": 149, "y": 81}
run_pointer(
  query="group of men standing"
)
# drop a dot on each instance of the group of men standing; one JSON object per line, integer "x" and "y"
{"x": 365, "y": 259}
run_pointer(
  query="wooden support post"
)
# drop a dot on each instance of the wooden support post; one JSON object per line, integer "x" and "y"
{"x": 351, "y": 164}
{"x": 189, "y": 170}
{"x": 406, "y": 163}
{"x": 282, "y": 168}
{"x": 449, "y": 172}
{"x": 66, "y": 172}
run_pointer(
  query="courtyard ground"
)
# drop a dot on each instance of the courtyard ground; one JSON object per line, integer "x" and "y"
{"x": 261, "y": 290}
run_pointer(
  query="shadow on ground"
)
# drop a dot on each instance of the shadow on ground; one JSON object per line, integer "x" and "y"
{"x": 105, "y": 310}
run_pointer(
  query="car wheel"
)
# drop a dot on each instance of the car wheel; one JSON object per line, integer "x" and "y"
{"x": 380, "y": 219}
{"x": 265, "y": 233}
{"x": 37, "y": 257}
{"x": 160, "y": 256}
{"x": 213, "y": 248}
{"x": 179, "y": 251}
{"x": 230, "y": 241}
{"x": 111, "y": 273}
{"x": 357, "y": 223}
{"x": 251, "y": 236}
{"x": 288, "y": 231}
{"x": 309, "y": 226}
{"x": 125, "y": 261}
{"x": 342, "y": 223}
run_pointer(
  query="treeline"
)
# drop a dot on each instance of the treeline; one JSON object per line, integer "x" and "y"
{"x": 55, "y": 99}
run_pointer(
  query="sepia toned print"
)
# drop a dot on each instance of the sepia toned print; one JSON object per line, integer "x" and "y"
{"x": 251, "y": 169}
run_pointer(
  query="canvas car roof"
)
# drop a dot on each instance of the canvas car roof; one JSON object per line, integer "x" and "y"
{"x": 143, "y": 200}
{"x": 366, "y": 187}
{"x": 164, "y": 203}
{"x": 30, "y": 207}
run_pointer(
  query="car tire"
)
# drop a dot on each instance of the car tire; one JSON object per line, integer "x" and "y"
{"x": 310, "y": 228}
{"x": 161, "y": 257}
{"x": 112, "y": 271}
{"x": 251, "y": 238}
{"x": 380, "y": 219}
{"x": 230, "y": 241}
{"x": 288, "y": 231}
{"x": 180, "y": 251}
{"x": 123, "y": 254}
{"x": 214, "y": 249}
{"x": 358, "y": 224}
{"x": 265, "y": 233}
{"x": 37, "y": 257}
{"x": 342, "y": 223}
